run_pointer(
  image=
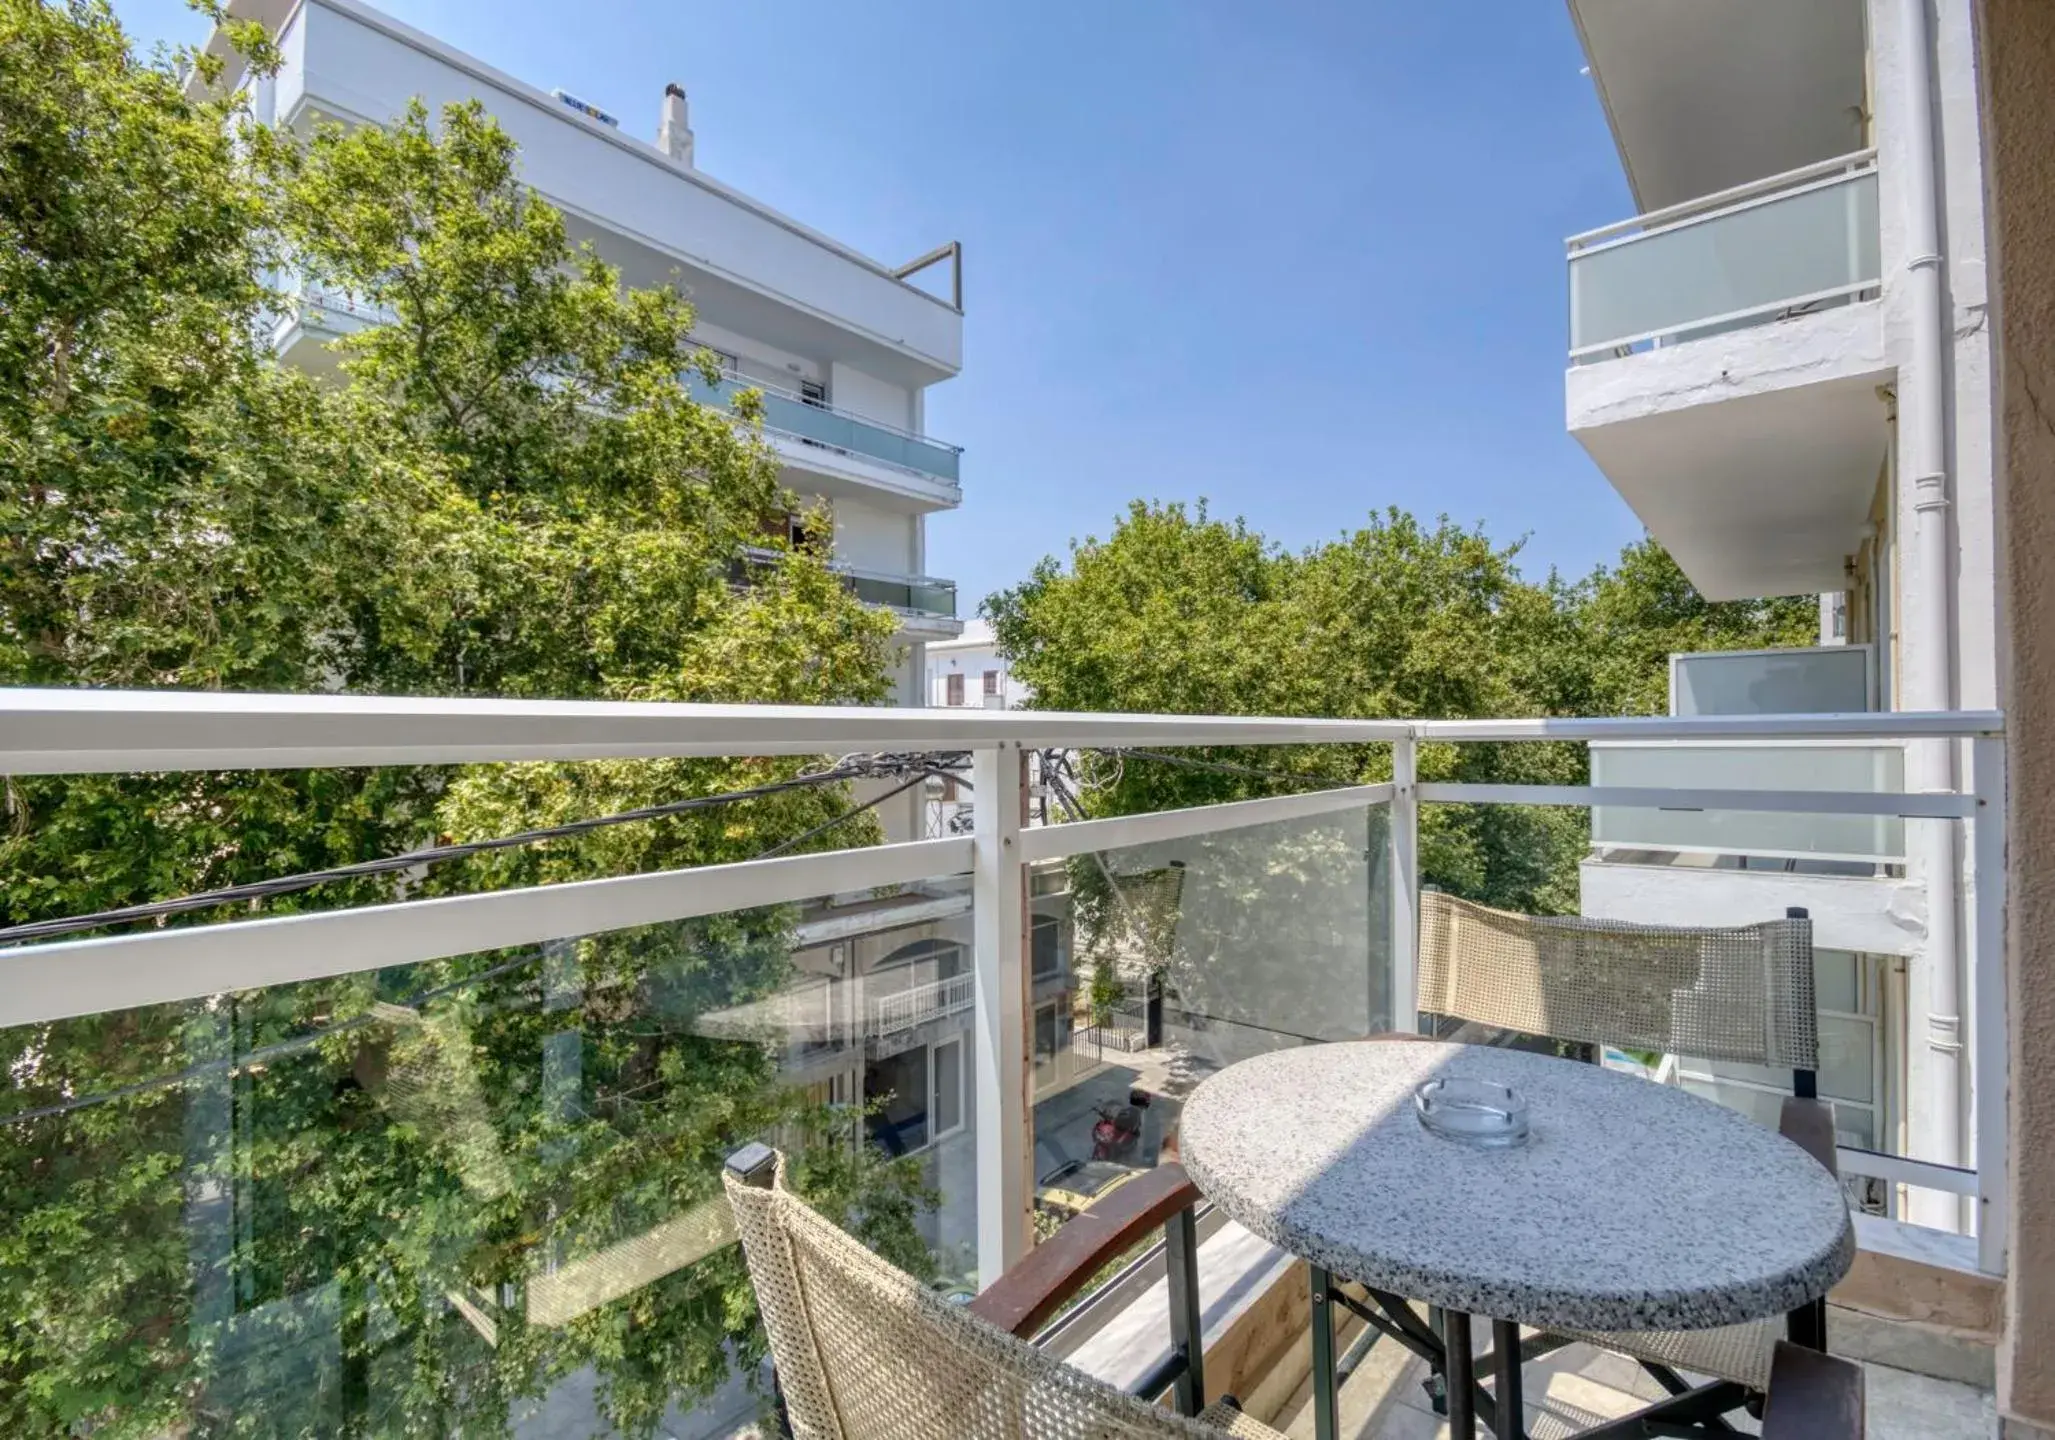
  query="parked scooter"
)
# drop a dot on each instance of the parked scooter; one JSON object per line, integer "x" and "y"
{"x": 1119, "y": 1132}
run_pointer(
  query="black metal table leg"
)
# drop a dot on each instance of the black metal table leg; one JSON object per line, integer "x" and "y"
{"x": 1462, "y": 1381}
{"x": 1508, "y": 1400}
{"x": 1326, "y": 1420}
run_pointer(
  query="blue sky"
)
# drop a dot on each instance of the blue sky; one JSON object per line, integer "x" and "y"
{"x": 1302, "y": 259}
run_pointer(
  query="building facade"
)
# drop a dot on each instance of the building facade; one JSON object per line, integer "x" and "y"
{"x": 1782, "y": 365}
{"x": 842, "y": 348}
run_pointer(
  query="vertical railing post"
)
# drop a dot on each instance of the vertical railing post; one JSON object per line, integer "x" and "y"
{"x": 1990, "y": 1040}
{"x": 999, "y": 925}
{"x": 1403, "y": 849}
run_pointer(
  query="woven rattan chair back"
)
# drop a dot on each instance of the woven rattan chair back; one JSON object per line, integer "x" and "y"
{"x": 865, "y": 1352}
{"x": 1740, "y": 993}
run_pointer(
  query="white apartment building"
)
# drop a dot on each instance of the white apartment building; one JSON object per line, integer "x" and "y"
{"x": 843, "y": 347}
{"x": 1782, "y": 365}
{"x": 970, "y": 670}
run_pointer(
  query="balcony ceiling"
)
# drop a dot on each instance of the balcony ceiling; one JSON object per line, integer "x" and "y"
{"x": 1759, "y": 495}
{"x": 1703, "y": 95}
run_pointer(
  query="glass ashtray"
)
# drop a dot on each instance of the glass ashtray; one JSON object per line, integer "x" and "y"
{"x": 1481, "y": 1113}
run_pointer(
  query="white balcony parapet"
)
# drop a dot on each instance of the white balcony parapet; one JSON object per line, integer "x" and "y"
{"x": 918, "y": 1004}
{"x": 1776, "y": 247}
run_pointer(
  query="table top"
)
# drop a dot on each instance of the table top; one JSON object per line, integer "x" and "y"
{"x": 1632, "y": 1205}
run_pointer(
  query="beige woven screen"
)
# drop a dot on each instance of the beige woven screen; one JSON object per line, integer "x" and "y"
{"x": 864, "y": 1352}
{"x": 1740, "y": 993}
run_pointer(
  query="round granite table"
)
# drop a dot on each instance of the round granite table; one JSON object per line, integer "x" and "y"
{"x": 1631, "y": 1206}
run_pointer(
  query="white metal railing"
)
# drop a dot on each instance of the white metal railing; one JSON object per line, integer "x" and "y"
{"x": 918, "y": 1004}
{"x": 80, "y": 732}
{"x": 1780, "y": 245}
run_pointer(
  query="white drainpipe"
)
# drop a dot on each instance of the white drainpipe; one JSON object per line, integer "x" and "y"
{"x": 1938, "y": 1106}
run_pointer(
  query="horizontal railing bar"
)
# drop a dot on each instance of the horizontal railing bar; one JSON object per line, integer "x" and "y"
{"x": 1869, "y": 724}
{"x": 116, "y": 731}
{"x": 1051, "y": 842}
{"x": 1644, "y": 230}
{"x": 84, "y": 977}
{"x": 1720, "y": 199}
{"x": 1903, "y": 1170}
{"x": 123, "y": 731}
{"x": 1940, "y": 806}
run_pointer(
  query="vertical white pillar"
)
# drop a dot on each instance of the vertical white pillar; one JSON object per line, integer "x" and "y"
{"x": 1404, "y": 854}
{"x": 999, "y": 925}
{"x": 1990, "y": 1040}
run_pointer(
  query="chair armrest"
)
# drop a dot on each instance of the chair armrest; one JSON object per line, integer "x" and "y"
{"x": 1023, "y": 1299}
{"x": 1810, "y": 1125}
{"x": 1812, "y": 1396}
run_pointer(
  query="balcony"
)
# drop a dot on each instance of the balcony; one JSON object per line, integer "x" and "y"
{"x": 1791, "y": 245}
{"x": 1724, "y": 367}
{"x": 918, "y": 1004}
{"x": 1860, "y": 843}
{"x": 797, "y": 425}
{"x": 926, "y": 604}
{"x": 538, "y": 1084}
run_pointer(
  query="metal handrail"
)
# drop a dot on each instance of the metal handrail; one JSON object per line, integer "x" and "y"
{"x": 59, "y": 731}
{"x": 904, "y": 1009}
{"x": 1732, "y": 198}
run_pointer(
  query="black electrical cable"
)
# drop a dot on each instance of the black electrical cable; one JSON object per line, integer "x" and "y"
{"x": 432, "y": 855}
{"x": 264, "y": 1053}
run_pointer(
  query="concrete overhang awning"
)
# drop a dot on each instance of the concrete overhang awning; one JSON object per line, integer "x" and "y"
{"x": 1761, "y": 494}
{"x": 1704, "y": 95}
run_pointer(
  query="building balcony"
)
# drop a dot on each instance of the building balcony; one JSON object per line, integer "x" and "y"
{"x": 538, "y": 1083}
{"x": 1787, "y": 246}
{"x": 820, "y": 439}
{"x": 926, "y": 605}
{"x": 917, "y": 1004}
{"x": 1827, "y": 842}
{"x": 1725, "y": 370}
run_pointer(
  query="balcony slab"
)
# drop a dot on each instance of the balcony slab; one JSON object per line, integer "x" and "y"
{"x": 1753, "y": 455}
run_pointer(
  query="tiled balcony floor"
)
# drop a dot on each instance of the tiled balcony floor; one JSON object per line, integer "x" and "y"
{"x": 1579, "y": 1387}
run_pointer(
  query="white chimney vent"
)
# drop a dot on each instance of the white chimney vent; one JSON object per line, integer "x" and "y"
{"x": 674, "y": 136}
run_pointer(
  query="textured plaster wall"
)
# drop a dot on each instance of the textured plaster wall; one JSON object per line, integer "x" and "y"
{"x": 1831, "y": 345}
{"x": 2018, "y": 44}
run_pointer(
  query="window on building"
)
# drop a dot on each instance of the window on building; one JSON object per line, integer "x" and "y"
{"x": 814, "y": 393}
{"x": 991, "y": 682}
{"x": 952, "y": 688}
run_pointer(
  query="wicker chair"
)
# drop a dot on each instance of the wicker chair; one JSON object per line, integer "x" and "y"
{"x": 1743, "y": 994}
{"x": 865, "y": 1352}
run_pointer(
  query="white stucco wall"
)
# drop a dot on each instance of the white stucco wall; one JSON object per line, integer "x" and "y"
{"x": 864, "y": 394}
{"x": 873, "y": 539}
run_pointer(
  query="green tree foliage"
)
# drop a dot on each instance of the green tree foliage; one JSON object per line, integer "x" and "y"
{"x": 326, "y": 1221}
{"x": 1179, "y": 612}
